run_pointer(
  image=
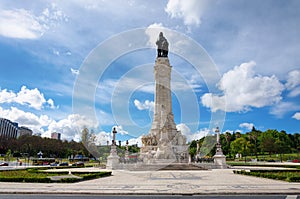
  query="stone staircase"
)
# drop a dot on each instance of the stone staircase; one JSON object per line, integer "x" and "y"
{"x": 164, "y": 167}
{"x": 182, "y": 166}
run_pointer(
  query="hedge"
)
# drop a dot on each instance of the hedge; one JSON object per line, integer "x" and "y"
{"x": 37, "y": 176}
{"x": 286, "y": 175}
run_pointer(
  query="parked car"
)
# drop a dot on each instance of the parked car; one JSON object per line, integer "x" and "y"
{"x": 296, "y": 161}
{"x": 54, "y": 164}
{"x": 64, "y": 164}
{"x": 3, "y": 164}
{"x": 78, "y": 164}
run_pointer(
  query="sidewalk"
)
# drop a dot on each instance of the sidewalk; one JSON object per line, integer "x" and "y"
{"x": 160, "y": 183}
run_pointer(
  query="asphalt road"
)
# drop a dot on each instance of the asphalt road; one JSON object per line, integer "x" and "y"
{"x": 44, "y": 196}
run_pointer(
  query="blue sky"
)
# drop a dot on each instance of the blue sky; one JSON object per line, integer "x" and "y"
{"x": 51, "y": 55}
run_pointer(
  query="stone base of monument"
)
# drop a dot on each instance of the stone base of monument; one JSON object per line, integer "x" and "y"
{"x": 113, "y": 160}
{"x": 182, "y": 166}
{"x": 162, "y": 166}
{"x": 220, "y": 161}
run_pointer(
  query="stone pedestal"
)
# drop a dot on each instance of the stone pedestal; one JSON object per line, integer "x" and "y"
{"x": 113, "y": 160}
{"x": 220, "y": 161}
{"x": 220, "y": 158}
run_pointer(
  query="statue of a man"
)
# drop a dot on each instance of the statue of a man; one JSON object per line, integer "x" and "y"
{"x": 162, "y": 46}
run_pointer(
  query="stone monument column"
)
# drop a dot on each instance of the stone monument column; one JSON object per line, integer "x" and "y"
{"x": 163, "y": 115}
{"x": 219, "y": 157}
{"x": 113, "y": 158}
{"x": 163, "y": 142}
{"x": 126, "y": 152}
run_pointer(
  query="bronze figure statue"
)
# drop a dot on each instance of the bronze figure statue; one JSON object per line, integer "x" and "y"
{"x": 162, "y": 46}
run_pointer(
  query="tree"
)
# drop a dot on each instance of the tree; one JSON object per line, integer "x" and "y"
{"x": 253, "y": 137}
{"x": 85, "y": 135}
{"x": 267, "y": 141}
{"x": 241, "y": 145}
{"x": 238, "y": 134}
{"x": 228, "y": 138}
{"x": 8, "y": 155}
{"x": 207, "y": 146}
{"x": 283, "y": 143}
{"x": 193, "y": 148}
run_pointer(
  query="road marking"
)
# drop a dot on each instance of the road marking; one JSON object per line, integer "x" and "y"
{"x": 291, "y": 197}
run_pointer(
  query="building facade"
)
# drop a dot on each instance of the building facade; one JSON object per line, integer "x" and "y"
{"x": 8, "y": 129}
{"x": 56, "y": 136}
{"x": 24, "y": 131}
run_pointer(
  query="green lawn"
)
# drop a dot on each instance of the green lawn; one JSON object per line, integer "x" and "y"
{"x": 275, "y": 157}
{"x": 41, "y": 176}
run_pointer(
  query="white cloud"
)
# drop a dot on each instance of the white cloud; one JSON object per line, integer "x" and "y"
{"x": 51, "y": 103}
{"x": 185, "y": 130}
{"x": 105, "y": 118}
{"x": 293, "y": 79}
{"x": 153, "y": 31}
{"x": 120, "y": 130}
{"x": 70, "y": 127}
{"x": 141, "y": 83}
{"x": 147, "y": 105}
{"x": 294, "y": 92}
{"x": 20, "y": 24}
{"x": 7, "y": 96}
{"x": 246, "y": 125}
{"x": 293, "y": 83}
{"x": 55, "y": 52}
{"x": 102, "y": 138}
{"x": 28, "y": 119}
{"x": 74, "y": 71}
{"x": 104, "y": 90}
{"x": 134, "y": 141}
{"x": 214, "y": 102}
{"x": 31, "y": 97}
{"x": 23, "y": 24}
{"x": 178, "y": 43}
{"x": 280, "y": 109}
{"x": 296, "y": 116}
{"x": 190, "y": 11}
{"x": 229, "y": 131}
{"x": 242, "y": 89}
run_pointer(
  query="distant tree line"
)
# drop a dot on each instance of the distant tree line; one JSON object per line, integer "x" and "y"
{"x": 254, "y": 143}
{"x": 31, "y": 145}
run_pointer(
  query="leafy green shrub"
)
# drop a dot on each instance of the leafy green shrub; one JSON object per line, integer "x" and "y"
{"x": 70, "y": 180}
{"x": 39, "y": 180}
{"x": 286, "y": 175}
{"x": 294, "y": 179}
{"x": 36, "y": 175}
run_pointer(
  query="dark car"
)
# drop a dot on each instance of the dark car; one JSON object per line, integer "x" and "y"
{"x": 271, "y": 160}
{"x": 64, "y": 164}
{"x": 3, "y": 164}
{"x": 54, "y": 164}
{"x": 78, "y": 164}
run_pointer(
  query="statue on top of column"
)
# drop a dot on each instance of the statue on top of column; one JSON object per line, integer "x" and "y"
{"x": 162, "y": 46}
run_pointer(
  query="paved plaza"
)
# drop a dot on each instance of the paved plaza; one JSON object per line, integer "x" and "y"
{"x": 218, "y": 181}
